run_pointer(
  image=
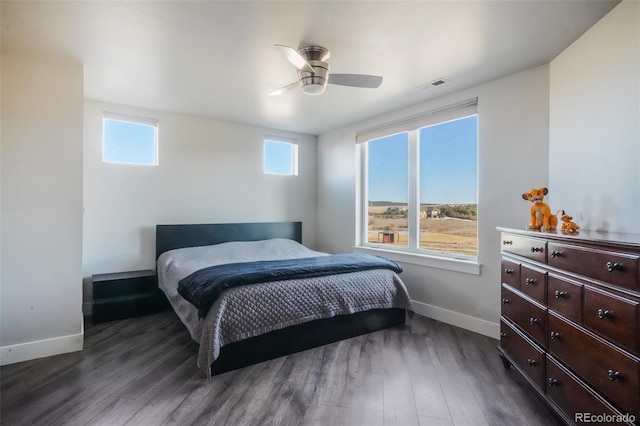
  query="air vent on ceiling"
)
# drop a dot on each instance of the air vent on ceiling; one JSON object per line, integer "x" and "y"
{"x": 434, "y": 83}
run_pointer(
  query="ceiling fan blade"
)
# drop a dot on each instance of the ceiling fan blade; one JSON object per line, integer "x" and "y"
{"x": 285, "y": 89}
{"x": 356, "y": 80}
{"x": 295, "y": 58}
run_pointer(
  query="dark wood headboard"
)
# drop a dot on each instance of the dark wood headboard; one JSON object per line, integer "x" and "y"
{"x": 169, "y": 237}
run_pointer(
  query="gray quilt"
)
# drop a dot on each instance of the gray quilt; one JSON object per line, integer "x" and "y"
{"x": 248, "y": 311}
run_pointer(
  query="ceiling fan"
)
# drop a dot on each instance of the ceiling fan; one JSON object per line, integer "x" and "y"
{"x": 313, "y": 72}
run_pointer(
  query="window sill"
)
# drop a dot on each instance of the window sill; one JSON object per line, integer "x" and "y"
{"x": 456, "y": 265}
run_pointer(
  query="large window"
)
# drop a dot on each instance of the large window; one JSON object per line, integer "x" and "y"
{"x": 419, "y": 184}
{"x": 128, "y": 139}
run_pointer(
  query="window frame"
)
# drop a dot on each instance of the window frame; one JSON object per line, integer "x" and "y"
{"x": 412, "y": 253}
{"x": 131, "y": 119}
{"x": 294, "y": 154}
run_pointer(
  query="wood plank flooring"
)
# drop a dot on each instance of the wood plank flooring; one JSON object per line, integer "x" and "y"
{"x": 142, "y": 371}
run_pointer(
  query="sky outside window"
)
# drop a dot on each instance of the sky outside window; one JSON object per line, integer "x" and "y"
{"x": 280, "y": 158}
{"x": 388, "y": 168}
{"x": 128, "y": 142}
{"x": 448, "y": 162}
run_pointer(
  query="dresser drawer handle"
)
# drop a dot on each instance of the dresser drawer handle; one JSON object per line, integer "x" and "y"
{"x": 554, "y": 335}
{"x": 537, "y": 249}
{"x": 558, "y": 294}
{"x": 555, "y": 253}
{"x": 530, "y": 281}
{"x": 509, "y": 271}
{"x": 552, "y": 381}
{"x": 505, "y": 301}
{"x": 531, "y": 362}
{"x": 603, "y": 313}
{"x": 503, "y": 334}
{"x": 507, "y": 242}
{"x": 614, "y": 266}
{"x": 614, "y": 375}
{"x": 533, "y": 321}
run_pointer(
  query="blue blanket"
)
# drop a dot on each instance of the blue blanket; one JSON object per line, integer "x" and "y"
{"x": 203, "y": 287}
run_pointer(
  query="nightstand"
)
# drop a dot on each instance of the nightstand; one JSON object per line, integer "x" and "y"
{"x": 126, "y": 294}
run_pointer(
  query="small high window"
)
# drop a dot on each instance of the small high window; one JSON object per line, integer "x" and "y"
{"x": 280, "y": 157}
{"x": 129, "y": 139}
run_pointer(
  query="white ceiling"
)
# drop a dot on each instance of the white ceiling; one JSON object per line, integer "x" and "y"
{"x": 217, "y": 58}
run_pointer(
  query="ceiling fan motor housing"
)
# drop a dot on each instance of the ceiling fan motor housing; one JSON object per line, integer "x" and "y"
{"x": 314, "y": 83}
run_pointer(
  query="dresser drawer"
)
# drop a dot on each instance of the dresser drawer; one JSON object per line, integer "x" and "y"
{"x": 573, "y": 396}
{"x": 564, "y": 296}
{"x": 611, "y": 316}
{"x": 510, "y": 273}
{"x": 612, "y": 267}
{"x": 533, "y": 283}
{"x": 524, "y": 353}
{"x": 613, "y": 372}
{"x": 530, "y": 316}
{"x": 533, "y": 248}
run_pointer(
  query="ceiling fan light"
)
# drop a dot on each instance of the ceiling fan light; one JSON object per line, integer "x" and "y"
{"x": 313, "y": 89}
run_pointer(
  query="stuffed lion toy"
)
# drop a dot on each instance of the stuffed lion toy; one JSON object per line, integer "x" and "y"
{"x": 567, "y": 223}
{"x": 540, "y": 212}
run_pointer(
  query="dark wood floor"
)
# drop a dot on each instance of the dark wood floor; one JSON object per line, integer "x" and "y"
{"x": 143, "y": 371}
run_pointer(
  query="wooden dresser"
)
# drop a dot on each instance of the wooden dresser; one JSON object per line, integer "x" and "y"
{"x": 570, "y": 320}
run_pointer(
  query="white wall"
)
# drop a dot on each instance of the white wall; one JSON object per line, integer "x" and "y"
{"x": 513, "y": 151}
{"x": 41, "y": 233}
{"x": 594, "y": 140}
{"x": 209, "y": 172}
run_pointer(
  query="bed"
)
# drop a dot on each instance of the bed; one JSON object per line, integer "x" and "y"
{"x": 254, "y": 323}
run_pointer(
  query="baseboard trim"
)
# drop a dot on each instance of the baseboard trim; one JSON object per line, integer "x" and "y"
{"x": 65, "y": 344}
{"x": 477, "y": 325}
{"x": 41, "y": 348}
